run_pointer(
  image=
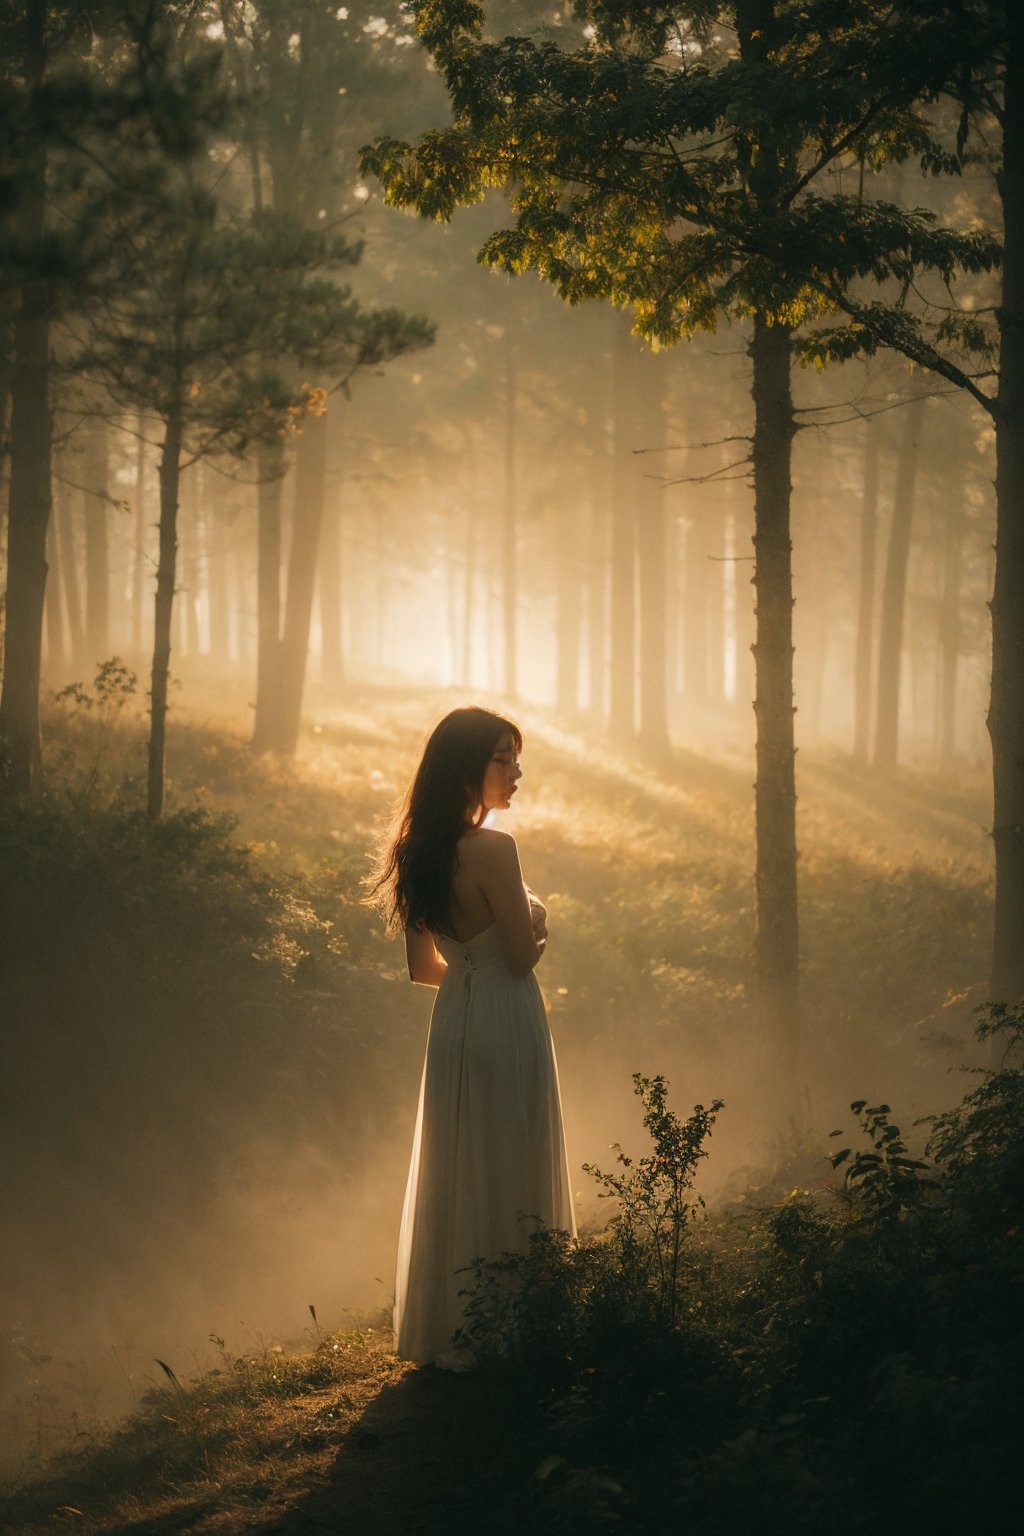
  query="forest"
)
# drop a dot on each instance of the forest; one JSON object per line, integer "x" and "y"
{"x": 653, "y": 374}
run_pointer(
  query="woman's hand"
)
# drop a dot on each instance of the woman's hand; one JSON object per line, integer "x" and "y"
{"x": 495, "y": 866}
{"x": 538, "y": 917}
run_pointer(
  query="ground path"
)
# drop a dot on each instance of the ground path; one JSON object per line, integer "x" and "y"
{"x": 431, "y": 1452}
{"x": 366, "y": 1444}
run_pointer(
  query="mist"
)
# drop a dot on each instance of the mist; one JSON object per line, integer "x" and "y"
{"x": 430, "y": 483}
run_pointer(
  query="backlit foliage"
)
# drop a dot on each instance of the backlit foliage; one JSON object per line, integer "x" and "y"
{"x": 633, "y": 156}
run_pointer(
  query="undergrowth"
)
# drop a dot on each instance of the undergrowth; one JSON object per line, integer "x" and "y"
{"x": 243, "y": 1438}
{"x": 202, "y": 1026}
{"x": 849, "y": 1355}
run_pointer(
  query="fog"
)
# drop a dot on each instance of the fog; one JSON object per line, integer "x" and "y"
{"x": 210, "y": 1093}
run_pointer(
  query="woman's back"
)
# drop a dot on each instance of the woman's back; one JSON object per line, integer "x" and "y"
{"x": 471, "y": 910}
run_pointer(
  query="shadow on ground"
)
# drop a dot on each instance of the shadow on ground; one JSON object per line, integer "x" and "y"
{"x": 434, "y": 1452}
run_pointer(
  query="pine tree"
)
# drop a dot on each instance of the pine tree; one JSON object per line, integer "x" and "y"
{"x": 309, "y": 75}
{"x": 63, "y": 100}
{"x": 207, "y": 299}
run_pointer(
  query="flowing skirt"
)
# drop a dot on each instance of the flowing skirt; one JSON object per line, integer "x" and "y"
{"x": 488, "y": 1160}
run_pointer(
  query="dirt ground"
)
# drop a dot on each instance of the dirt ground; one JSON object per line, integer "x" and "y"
{"x": 431, "y": 1452}
{"x": 384, "y": 1449}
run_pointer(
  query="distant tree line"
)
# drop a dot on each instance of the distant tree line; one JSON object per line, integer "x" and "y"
{"x": 140, "y": 278}
{"x": 193, "y": 274}
{"x": 674, "y": 160}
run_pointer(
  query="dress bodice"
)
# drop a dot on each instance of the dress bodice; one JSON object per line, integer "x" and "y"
{"x": 479, "y": 953}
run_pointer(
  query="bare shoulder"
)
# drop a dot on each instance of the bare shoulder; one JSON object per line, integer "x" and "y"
{"x": 487, "y": 846}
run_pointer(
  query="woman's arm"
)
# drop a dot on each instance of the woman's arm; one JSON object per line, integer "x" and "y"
{"x": 425, "y": 964}
{"x": 501, "y": 881}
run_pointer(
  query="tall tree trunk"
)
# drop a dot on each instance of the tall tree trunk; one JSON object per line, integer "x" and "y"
{"x": 814, "y": 619}
{"x": 6, "y": 377}
{"x": 191, "y": 564}
{"x": 509, "y": 519}
{"x": 745, "y": 619}
{"x": 622, "y": 690}
{"x": 652, "y": 554}
{"x": 777, "y": 950}
{"x": 1006, "y": 710}
{"x": 30, "y": 483}
{"x": 894, "y": 589}
{"x": 170, "y": 474}
{"x": 139, "y": 536}
{"x": 268, "y": 596}
{"x": 54, "y": 607}
{"x": 862, "y": 667}
{"x": 63, "y": 517}
{"x": 95, "y": 502}
{"x": 311, "y": 464}
{"x": 29, "y": 512}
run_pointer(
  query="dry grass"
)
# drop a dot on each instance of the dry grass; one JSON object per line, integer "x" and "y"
{"x": 230, "y": 1452}
{"x": 648, "y": 878}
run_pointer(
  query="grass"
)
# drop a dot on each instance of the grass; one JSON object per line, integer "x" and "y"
{"x": 245, "y": 1441}
{"x": 212, "y": 1073}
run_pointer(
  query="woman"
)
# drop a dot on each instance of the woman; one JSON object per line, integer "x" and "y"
{"x": 488, "y": 1159}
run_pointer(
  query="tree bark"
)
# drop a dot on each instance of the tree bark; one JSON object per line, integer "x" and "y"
{"x": 777, "y": 948}
{"x": 28, "y": 520}
{"x": 862, "y": 667}
{"x": 302, "y": 562}
{"x": 268, "y": 596}
{"x": 170, "y": 474}
{"x": 744, "y": 567}
{"x": 1006, "y": 711}
{"x": 30, "y": 483}
{"x": 894, "y": 590}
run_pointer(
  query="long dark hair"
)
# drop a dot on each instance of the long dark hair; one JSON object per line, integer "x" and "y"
{"x": 412, "y": 882}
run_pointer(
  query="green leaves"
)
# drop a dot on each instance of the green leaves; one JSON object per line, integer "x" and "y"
{"x": 656, "y": 1201}
{"x": 887, "y": 1181}
{"x": 660, "y": 168}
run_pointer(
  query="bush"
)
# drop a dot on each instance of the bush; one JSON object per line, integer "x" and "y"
{"x": 846, "y": 1355}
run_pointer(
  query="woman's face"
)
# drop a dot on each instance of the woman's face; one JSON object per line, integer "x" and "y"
{"x": 501, "y": 774}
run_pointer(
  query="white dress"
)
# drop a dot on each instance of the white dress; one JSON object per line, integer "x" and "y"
{"x": 488, "y": 1157}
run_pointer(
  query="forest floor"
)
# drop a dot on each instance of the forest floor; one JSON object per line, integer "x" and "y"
{"x": 266, "y": 1061}
{"x": 347, "y": 1439}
